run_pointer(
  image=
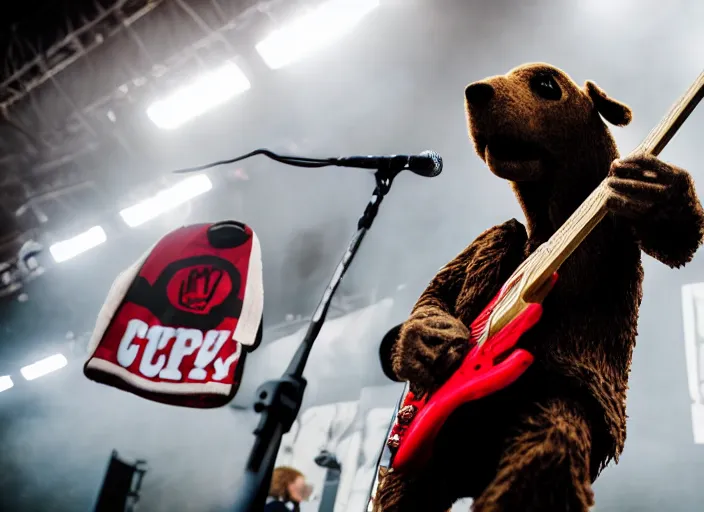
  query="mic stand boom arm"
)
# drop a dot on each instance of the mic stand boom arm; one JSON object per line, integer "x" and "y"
{"x": 278, "y": 401}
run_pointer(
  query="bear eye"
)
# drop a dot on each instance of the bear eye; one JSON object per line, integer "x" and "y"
{"x": 545, "y": 86}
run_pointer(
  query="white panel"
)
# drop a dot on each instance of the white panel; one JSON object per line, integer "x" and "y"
{"x": 341, "y": 355}
{"x": 375, "y": 428}
{"x": 693, "y": 317}
{"x": 320, "y": 428}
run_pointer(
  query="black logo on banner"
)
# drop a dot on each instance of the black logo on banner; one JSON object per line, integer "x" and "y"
{"x": 198, "y": 292}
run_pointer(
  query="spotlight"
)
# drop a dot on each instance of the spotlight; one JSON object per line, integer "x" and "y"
{"x": 313, "y": 31}
{"x": 27, "y": 260}
{"x": 203, "y": 94}
{"x": 43, "y": 367}
{"x": 62, "y": 251}
{"x": 10, "y": 279}
{"x": 5, "y": 383}
{"x": 166, "y": 200}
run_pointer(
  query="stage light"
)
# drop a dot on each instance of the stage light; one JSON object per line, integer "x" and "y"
{"x": 5, "y": 383}
{"x": 313, "y": 31}
{"x": 203, "y": 94}
{"x": 121, "y": 485}
{"x": 43, "y": 367}
{"x": 166, "y": 200}
{"x": 62, "y": 251}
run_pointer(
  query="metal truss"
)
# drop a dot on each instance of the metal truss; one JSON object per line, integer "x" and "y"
{"x": 56, "y": 104}
{"x": 29, "y": 91}
{"x": 45, "y": 65}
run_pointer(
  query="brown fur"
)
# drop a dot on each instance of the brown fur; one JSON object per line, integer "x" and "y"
{"x": 539, "y": 444}
{"x": 545, "y": 465}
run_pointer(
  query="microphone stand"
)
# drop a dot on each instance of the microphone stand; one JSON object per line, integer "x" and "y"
{"x": 279, "y": 401}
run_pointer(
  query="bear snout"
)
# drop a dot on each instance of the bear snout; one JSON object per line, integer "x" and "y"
{"x": 479, "y": 94}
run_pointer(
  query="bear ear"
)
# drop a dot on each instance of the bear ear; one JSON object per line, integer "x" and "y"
{"x": 613, "y": 111}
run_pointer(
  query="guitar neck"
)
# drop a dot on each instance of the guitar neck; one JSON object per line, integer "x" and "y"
{"x": 551, "y": 255}
{"x": 659, "y": 137}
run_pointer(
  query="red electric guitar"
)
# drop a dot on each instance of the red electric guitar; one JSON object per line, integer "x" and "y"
{"x": 492, "y": 363}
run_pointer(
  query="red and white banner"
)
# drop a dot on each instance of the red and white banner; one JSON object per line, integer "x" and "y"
{"x": 176, "y": 325}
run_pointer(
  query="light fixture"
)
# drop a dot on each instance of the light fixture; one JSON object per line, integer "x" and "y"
{"x": 43, "y": 367}
{"x": 5, "y": 383}
{"x": 312, "y": 31}
{"x": 204, "y": 93}
{"x": 166, "y": 200}
{"x": 67, "y": 249}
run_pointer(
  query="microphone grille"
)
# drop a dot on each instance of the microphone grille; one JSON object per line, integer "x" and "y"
{"x": 437, "y": 162}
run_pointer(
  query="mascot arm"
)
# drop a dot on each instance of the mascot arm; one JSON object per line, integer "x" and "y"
{"x": 671, "y": 230}
{"x": 433, "y": 341}
{"x": 432, "y": 338}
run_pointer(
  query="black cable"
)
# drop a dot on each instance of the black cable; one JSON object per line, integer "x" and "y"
{"x": 290, "y": 160}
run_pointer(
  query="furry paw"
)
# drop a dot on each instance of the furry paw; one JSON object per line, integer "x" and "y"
{"x": 639, "y": 184}
{"x": 429, "y": 350}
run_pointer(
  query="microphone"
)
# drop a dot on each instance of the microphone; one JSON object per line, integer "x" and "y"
{"x": 427, "y": 164}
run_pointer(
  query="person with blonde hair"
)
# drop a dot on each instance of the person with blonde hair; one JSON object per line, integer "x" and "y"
{"x": 288, "y": 489}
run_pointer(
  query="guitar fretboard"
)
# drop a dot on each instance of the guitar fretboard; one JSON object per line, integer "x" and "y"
{"x": 659, "y": 137}
{"x": 567, "y": 238}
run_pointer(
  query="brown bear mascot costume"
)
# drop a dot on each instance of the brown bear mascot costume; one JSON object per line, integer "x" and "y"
{"x": 538, "y": 444}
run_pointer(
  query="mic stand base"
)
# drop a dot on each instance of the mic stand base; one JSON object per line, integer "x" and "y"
{"x": 279, "y": 401}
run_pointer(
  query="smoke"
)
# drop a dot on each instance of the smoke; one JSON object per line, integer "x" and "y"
{"x": 58, "y": 452}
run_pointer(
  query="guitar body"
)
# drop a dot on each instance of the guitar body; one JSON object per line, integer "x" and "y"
{"x": 491, "y": 365}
